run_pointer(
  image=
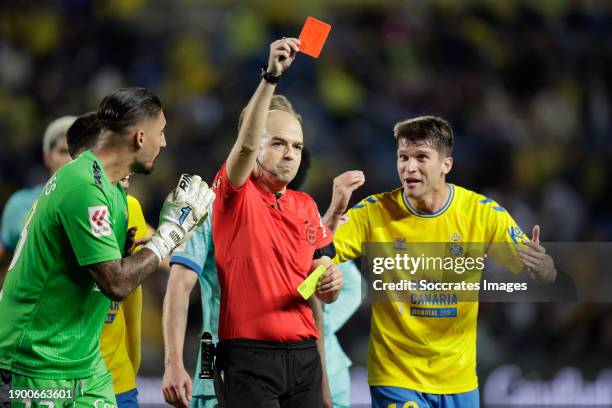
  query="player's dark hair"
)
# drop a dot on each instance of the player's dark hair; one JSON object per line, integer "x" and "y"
{"x": 433, "y": 130}
{"x": 124, "y": 107}
{"x": 83, "y": 134}
{"x": 278, "y": 102}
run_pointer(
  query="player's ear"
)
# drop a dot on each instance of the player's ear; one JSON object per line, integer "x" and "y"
{"x": 447, "y": 165}
{"x": 138, "y": 138}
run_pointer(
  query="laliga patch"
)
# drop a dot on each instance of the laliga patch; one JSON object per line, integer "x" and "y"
{"x": 99, "y": 221}
{"x": 313, "y": 36}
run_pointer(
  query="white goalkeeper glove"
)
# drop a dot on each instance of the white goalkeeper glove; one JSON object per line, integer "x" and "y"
{"x": 184, "y": 210}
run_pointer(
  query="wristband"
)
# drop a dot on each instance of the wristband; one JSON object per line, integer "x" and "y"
{"x": 268, "y": 77}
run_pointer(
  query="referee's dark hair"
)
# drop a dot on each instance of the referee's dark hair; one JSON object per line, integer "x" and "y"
{"x": 83, "y": 134}
{"x": 124, "y": 107}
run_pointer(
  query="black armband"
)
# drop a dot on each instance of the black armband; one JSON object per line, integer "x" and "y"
{"x": 329, "y": 250}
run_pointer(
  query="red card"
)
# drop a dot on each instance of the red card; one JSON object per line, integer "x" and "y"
{"x": 313, "y": 36}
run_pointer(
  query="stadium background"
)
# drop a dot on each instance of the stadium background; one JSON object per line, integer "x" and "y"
{"x": 526, "y": 85}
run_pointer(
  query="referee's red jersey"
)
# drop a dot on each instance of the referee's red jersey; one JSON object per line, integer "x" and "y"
{"x": 264, "y": 247}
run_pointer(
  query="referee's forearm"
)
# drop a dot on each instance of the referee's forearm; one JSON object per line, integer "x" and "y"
{"x": 243, "y": 156}
{"x": 331, "y": 219}
{"x": 255, "y": 116}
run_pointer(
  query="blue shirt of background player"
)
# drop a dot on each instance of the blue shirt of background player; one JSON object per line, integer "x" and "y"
{"x": 14, "y": 214}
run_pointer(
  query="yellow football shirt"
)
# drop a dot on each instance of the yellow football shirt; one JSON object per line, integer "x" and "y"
{"x": 426, "y": 354}
{"x": 120, "y": 341}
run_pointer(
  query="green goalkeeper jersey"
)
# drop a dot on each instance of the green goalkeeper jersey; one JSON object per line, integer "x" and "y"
{"x": 51, "y": 311}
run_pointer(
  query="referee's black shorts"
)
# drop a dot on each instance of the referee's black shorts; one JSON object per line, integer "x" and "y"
{"x": 265, "y": 374}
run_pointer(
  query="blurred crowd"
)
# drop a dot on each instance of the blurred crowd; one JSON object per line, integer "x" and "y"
{"x": 526, "y": 85}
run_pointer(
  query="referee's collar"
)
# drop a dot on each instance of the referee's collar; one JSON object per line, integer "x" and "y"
{"x": 263, "y": 190}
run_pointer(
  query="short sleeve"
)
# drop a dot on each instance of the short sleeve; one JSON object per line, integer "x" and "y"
{"x": 352, "y": 231}
{"x": 193, "y": 253}
{"x": 226, "y": 193}
{"x": 87, "y": 218}
{"x": 505, "y": 236}
{"x": 324, "y": 234}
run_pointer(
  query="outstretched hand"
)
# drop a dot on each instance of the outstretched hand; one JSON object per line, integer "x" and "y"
{"x": 535, "y": 259}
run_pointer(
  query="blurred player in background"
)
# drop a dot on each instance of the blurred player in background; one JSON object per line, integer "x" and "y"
{"x": 55, "y": 155}
{"x": 267, "y": 239}
{"x": 70, "y": 258}
{"x": 197, "y": 256}
{"x": 335, "y": 315}
{"x": 120, "y": 340}
{"x": 416, "y": 360}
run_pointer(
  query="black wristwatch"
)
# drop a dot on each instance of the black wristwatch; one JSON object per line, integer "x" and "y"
{"x": 268, "y": 77}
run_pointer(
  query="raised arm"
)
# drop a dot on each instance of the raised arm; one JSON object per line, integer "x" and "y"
{"x": 243, "y": 155}
{"x": 344, "y": 185}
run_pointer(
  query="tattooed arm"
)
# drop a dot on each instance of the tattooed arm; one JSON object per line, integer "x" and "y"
{"x": 118, "y": 278}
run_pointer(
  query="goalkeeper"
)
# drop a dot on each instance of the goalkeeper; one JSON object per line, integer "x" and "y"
{"x": 69, "y": 261}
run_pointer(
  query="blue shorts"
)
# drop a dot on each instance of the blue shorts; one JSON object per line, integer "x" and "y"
{"x": 128, "y": 399}
{"x": 396, "y": 397}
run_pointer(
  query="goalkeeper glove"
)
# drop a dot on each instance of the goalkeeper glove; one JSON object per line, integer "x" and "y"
{"x": 184, "y": 210}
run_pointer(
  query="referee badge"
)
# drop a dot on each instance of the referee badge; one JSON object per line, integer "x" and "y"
{"x": 311, "y": 234}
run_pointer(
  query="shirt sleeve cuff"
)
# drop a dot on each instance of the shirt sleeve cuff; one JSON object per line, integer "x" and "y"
{"x": 186, "y": 262}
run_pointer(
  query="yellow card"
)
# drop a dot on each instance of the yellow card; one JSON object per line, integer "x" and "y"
{"x": 308, "y": 287}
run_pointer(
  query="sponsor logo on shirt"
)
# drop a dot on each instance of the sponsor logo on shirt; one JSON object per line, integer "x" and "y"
{"x": 433, "y": 312}
{"x": 99, "y": 221}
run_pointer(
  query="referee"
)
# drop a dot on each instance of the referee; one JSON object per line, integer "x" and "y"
{"x": 267, "y": 239}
